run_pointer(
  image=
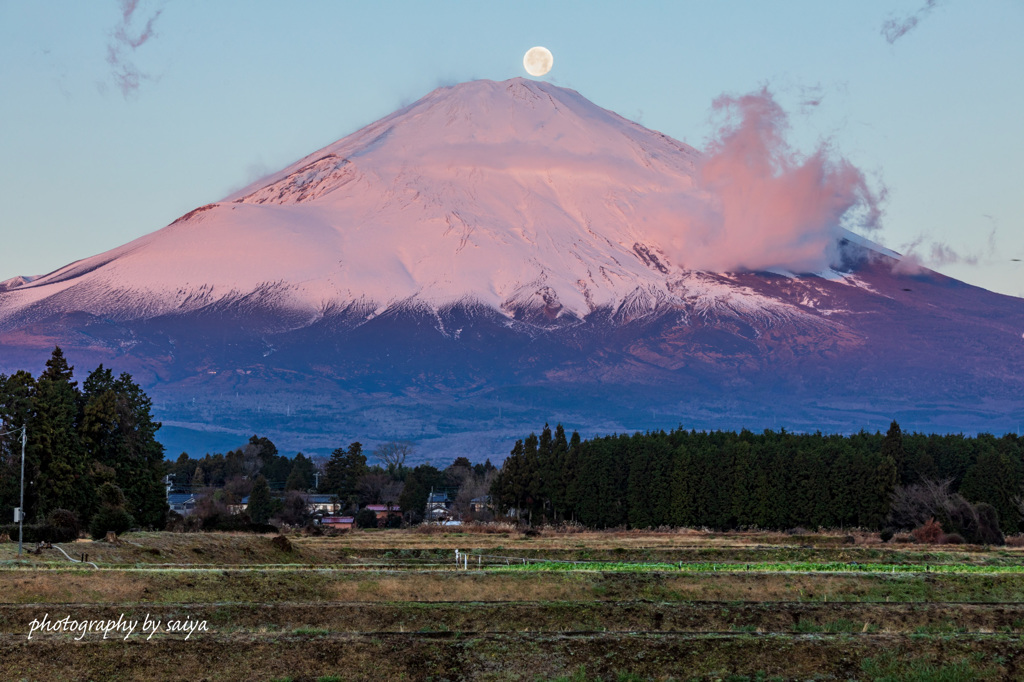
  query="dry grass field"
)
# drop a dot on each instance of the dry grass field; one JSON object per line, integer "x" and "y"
{"x": 373, "y": 605}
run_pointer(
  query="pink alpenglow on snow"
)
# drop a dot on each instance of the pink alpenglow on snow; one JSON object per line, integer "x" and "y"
{"x": 514, "y": 195}
{"x": 513, "y": 244}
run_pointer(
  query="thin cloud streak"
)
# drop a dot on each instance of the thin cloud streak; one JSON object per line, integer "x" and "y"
{"x": 917, "y": 256}
{"x": 894, "y": 29}
{"x": 123, "y": 45}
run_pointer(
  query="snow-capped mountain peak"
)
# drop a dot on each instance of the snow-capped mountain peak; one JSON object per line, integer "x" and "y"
{"x": 516, "y": 195}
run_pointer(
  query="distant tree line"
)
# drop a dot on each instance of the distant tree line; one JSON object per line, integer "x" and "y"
{"x": 772, "y": 480}
{"x": 237, "y": 469}
{"x": 256, "y": 470}
{"x": 92, "y": 457}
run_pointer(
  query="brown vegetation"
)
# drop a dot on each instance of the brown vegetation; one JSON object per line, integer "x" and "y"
{"x": 390, "y": 604}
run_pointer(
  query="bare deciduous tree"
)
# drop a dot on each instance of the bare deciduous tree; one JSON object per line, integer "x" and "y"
{"x": 379, "y": 489}
{"x": 914, "y": 505}
{"x": 472, "y": 488}
{"x": 394, "y": 453}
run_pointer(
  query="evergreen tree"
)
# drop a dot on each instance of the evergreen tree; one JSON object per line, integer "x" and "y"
{"x": 587, "y": 491}
{"x": 16, "y": 401}
{"x": 413, "y": 498}
{"x": 892, "y": 447}
{"x": 259, "y": 506}
{"x": 570, "y": 474}
{"x": 744, "y": 485}
{"x": 556, "y": 478}
{"x": 118, "y": 431}
{"x": 343, "y": 472}
{"x": 418, "y": 484}
{"x": 682, "y": 514}
{"x": 301, "y": 475}
{"x": 879, "y": 491}
{"x": 638, "y": 494}
{"x": 63, "y": 481}
{"x": 111, "y": 515}
{"x": 532, "y": 490}
{"x": 992, "y": 479}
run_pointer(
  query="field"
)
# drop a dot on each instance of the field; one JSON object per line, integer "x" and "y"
{"x": 375, "y": 605}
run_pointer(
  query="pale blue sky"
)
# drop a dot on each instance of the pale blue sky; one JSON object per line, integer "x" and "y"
{"x": 231, "y": 90}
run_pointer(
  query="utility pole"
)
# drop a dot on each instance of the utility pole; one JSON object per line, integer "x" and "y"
{"x": 19, "y": 512}
{"x": 21, "y": 509}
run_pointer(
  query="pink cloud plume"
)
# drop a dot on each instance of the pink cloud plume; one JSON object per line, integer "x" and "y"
{"x": 124, "y": 43}
{"x": 764, "y": 205}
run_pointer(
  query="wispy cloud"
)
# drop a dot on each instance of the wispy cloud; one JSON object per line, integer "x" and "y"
{"x": 918, "y": 255}
{"x": 895, "y": 28}
{"x": 126, "y": 39}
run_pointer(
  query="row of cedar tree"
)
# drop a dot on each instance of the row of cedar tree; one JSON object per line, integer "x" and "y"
{"x": 771, "y": 480}
{"x": 93, "y": 448}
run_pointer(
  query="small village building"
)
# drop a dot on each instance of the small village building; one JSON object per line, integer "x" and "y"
{"x": 437, "y": 508}
{"x": 382, "y": 511}
{"x": 239, "y": 507}
{"x": 340, "y": 522}
{"x": 182, "y": 503}
{"x": 323, "y": 504}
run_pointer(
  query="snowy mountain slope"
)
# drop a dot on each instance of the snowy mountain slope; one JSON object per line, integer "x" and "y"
{"x": 483, "y": 260}
{"x": 516, "y": 195}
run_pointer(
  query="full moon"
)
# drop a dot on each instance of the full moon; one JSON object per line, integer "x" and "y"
{"x": 538, "y": 61}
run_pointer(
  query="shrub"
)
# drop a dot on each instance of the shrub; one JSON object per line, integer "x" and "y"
{"x": 111, "y": 516}
{"x": 430, "y": 528}
{"x": 366, "y": 518}
{"x": 208, "y": 514}
{"x": 988, "y": 526}
{"x": 887, "y": 534}
{"x": 64, "y": 525}
{"x": 259, "y": 501}
{"x": 294, "y": 512}
{"x": 32, "y": 532}
{"x": 913, "y": 506}
{"x": 930, "y": 532}
{"x": 110, "y": 495}
{"x": 108, "y": 519}
{"x": 175, "y": 522}
{"x": 61, "y": 526}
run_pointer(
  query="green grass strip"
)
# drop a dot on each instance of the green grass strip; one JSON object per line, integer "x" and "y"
{"x": 755, "y": 567}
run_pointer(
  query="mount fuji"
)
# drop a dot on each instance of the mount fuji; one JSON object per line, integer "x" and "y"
{"x": 492, "y": 257}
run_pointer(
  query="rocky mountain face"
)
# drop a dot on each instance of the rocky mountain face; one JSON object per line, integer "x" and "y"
{"x": 481, "y": 262}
